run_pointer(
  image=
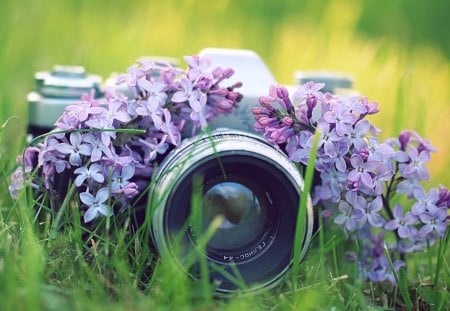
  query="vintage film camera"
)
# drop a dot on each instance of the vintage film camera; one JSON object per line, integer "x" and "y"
{"x": 253, "y": 185}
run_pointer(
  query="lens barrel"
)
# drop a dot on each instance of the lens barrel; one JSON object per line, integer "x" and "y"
{"x": 252, "y": 187}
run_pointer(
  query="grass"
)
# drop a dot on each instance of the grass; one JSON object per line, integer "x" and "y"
{"x": 82, "y": 268}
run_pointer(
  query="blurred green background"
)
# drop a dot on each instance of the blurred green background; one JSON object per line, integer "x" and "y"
{"x": 397, "y": 51}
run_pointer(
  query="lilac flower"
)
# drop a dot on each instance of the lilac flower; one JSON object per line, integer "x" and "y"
{"x": 349, "y": 215}
{"x": 401, "y": 223}
{"x": 130, "y": 78}
{"x": 17, "y": 182}
{"x": 301, "y": 154}
{"x": 371, "y": 211}
{"x": 67, "y": 122}
{"x": 152, "y": 147}
{"x": 96, "y": 205}
{"x": 156, "y": 96}
{"x": 93, "y": 173}
{"x": 383, "y": 176}
{"x": 198, "y": 66}
{"x": 340, "y": 117}
{"x": 415, "y": 168}
{"x": 378, "y": 243}
{"x": 425, "y": 202}
{"x": 97, "y": 147}
{"x": 355, "y": 104}
{"x": 121, "y": 177}
{"x": 362, "y": 170}
{"x": 187, "y": 93}
{"x": 81, "y": 111}
{"x": 356, "y": 134}
{"x": 434, "y": 221}
{"x": 327, "y": 137}
{"x": 169, "y": 128}
{"x": 75, "y": 149}
{"x": 103, "y": 122}
{"x": 198, "y": 111}
{"x": 334, "y": 181}
{"x": 381, "y": 271}
{"x": 308, "y": 93}
{"x": 444, "y": 197}
{"x": 408, "y": 186}
{"x": 117, "y": 112}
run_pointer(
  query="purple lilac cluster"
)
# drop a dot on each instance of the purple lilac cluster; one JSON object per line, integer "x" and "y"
{"x": 357, "y": 174}
{"x": 109, "y": 147}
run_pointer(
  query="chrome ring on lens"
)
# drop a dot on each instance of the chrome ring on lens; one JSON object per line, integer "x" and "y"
{"x": 252, "y": 186}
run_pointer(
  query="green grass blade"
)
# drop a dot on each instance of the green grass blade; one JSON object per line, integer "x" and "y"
{"x": 301, "y": 216}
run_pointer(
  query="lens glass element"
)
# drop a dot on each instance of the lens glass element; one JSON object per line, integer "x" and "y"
{"x": 243, "y": 216}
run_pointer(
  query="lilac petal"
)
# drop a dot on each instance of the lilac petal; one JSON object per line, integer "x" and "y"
{"x": 90, "y": 214}
{"x": 142, "y": 111}
{"x": 79, "y": 180}
{"x": 96, "y": 155}
{"x": 64, "y": 148}
{"x": 104, "y": 210}
{"x": 403, "y": 232}
{"x": 371, "y": 166}
{"x": 441, "y": 228}
{"x": 75, "y": 159}
{"x": 391, "y": 225}
{"x": 128, "y": 172}
{"x": 122, "y": 116}
{"x": 75, "y": 139}
{"x": 341, "y": 129}
{"x": 341, "y": 165}
{"x": 425, "y": 230}
{"x": 179, "y": 97}
{"x": 102, "y": 195}
{"x": 357, "y": 214}
{"x": 348, "y": 118}
{"x": 377, "y": 204}
{"x": 87, "y": 198}
{"x": 359, "y": 202}
{"x": 351, "y": 196}
{"x": 98, "y": 177}
{"x": 398, "y": 211}
{"x": 425, "y": 218}
{"x": 419, "y": 194}
{"x": 362, "y": 127}
{"x": 350, "y": 224}
{"x": 410, "y": 219}
{"x": 424, "y": 156}
{"x": 145, "y": 85}
{"x": 441, "y": 214}
{"x": 366, "y": 179}
{"x": 417, "y": 209}
{"x": 356, "y": 161}
{"x": 157, "y": 121}
{"x": 85, "y": 149}
{"x": 354, "y": 175}
{"x": 433, "y": 195}
{"x": 340, "y": 219}
{"x": 61, "y": 166}
{"x": 345, "y": 207}
{"x": 375, "y": 220}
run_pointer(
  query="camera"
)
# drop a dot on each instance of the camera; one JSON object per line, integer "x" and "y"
{"x": 247, "y": 185}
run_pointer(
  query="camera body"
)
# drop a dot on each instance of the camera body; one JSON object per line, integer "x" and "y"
{"x": 63, "y": 85}
{"x": 248, "y": 188}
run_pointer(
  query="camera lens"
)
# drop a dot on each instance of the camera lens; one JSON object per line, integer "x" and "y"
{"x": 255, "y": 191}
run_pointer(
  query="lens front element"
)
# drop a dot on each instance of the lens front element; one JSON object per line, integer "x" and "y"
{"x": 243, "y": 216}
